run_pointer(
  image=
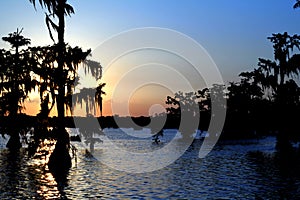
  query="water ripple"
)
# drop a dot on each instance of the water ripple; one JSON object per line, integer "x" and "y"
{"x": 228, "y": 172}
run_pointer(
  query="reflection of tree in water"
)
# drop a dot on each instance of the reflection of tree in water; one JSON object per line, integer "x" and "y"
{"x": 49, "y": 184}
{"x": 11, "y": 163}
{"x": 23, "y": 178}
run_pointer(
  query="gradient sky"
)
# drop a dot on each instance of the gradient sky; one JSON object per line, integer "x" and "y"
{"x": 234, "y": 32}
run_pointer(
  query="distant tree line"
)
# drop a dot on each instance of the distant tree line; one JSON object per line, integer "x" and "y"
{"x": 265, "y": 101}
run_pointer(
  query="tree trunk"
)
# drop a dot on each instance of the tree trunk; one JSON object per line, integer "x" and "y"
{"x": 14, "y": 143}
{"x": 60, "y": 159}
{"x": 61, "y": 49}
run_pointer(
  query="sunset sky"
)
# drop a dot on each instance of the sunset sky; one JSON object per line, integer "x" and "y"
{"x": 233, "y": 32}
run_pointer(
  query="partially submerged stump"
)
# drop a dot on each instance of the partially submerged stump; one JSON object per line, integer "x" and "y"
{"x": 14, "y": 143}
{"x": 60, "y": 160}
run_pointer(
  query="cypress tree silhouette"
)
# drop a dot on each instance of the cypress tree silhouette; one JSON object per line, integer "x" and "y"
{"x": 275, "y": 78}
{"x": 58, "y": 70}
{"x": 16, "y": 82}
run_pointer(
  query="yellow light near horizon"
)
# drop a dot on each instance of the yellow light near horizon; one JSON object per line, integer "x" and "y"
{"x": 33, "y": 107}
{"x": 148, "y": 100}
{"x": 139, "y": 82}
{"x": 136, "y": 84}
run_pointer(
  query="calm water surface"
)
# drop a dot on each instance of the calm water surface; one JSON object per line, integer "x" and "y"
{"x": 230, "y": 171}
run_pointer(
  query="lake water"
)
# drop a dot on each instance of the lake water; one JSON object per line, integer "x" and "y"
{"x": 230, "y": 171}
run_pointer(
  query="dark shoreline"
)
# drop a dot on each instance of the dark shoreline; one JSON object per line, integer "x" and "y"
{"x": 172, "y": 122}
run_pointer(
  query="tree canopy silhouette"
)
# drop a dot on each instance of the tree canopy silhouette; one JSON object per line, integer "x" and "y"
{"x": 58, "y": 65}
{"x": 270, "y": 88}
{"x": 15, "y": 81}
{"x": 58, "y": 9}
{"x": 91, "y": 97}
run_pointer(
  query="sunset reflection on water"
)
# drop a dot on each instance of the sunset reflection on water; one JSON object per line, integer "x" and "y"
{"x": 229, "y": 172}
{"x": 47, "y": 187}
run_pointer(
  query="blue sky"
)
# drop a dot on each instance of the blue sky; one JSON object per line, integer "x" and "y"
{"x": 234, "y": 32}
